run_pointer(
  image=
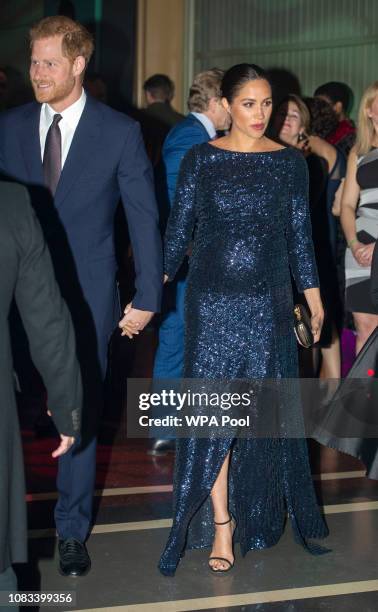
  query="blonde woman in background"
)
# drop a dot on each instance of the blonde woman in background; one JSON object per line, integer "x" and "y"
{"x": 360, "y": 195}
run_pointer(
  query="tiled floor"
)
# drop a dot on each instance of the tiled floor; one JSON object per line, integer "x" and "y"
{"x": 133, "y": 511}
{"x": 124, "y": 573}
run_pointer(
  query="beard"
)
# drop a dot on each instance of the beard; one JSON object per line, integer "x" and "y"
{"x": 55, "y": 92}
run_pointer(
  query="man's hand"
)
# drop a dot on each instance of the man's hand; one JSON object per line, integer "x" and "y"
{"x": 134, "y": 320}
{"x": 64, "y": 446}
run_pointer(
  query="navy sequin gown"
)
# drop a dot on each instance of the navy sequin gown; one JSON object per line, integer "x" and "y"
{"x": 250, "y": 215}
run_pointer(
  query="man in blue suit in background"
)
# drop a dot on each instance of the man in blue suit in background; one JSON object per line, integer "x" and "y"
{"x": 78, "y": 157}
{"x": 205, "y": 118}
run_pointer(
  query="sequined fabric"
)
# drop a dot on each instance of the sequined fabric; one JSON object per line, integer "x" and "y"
{"x": 250, "y": 216}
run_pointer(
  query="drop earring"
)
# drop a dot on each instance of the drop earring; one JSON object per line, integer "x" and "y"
{"x": 301, "y": 136}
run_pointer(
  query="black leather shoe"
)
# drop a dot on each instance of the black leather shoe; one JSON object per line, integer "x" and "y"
{"x": 162, "y": 447}
{"x": 73, "y": 558}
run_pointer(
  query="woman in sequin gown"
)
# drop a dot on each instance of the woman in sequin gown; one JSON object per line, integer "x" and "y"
{"x": 245, "y": 197}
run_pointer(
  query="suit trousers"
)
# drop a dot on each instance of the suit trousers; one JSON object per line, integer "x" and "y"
{"x": 77, "y": 468}
{"x": 75, "y": 483}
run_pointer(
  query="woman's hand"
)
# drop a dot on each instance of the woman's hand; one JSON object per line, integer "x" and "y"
{"x": 317, "y": 318}
{"x": 363, "y": 253}
{"x": 315, "y": 305}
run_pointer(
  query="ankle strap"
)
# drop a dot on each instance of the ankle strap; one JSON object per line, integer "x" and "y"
{"x": 224, "y": 523}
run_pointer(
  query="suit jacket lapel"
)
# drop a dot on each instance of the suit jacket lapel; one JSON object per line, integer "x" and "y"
{"x": 86, "y": 133}
{"x": 30, "y": 144}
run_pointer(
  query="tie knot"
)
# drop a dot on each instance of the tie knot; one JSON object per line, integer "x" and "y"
{"x": 56, "y": 119}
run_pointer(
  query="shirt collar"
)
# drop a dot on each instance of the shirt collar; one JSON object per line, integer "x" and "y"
{"x": 207, "y": 124}
{"x": 70, "y": 115}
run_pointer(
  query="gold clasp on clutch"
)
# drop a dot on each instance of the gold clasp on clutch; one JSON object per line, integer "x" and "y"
{"x": 297, "y": 312}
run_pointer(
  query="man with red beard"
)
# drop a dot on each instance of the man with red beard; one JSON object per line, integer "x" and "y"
{"x": 78, "y": 157}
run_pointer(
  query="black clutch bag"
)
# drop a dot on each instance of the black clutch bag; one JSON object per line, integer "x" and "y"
{"x": 302, "y": 326}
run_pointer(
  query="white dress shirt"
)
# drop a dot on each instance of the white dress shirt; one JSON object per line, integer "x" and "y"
{"x": 207, "y": 124}
{"x": 67, "y": 124}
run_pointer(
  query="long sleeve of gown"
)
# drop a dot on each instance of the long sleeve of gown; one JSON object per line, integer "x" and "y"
{"x": 181, "y": 220}
{"x": 299, "y": 234}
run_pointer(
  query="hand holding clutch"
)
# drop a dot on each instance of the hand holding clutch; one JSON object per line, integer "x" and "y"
{"x": 307, "y": 329}
{"x": 302, "y": 326}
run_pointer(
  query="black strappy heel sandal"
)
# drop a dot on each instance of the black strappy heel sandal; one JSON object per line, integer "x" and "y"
{"x": 230, "y": 564}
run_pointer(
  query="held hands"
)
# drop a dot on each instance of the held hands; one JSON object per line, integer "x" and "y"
{"x": 134, "y": 321}
{"x": 363, "y": 253}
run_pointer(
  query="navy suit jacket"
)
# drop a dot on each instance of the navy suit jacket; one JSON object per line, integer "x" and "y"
{"x": 180, "y": 139}
{"x": 106, "y": 161}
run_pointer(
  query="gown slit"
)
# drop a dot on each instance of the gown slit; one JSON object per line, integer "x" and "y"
{"x": 178, "y": 539}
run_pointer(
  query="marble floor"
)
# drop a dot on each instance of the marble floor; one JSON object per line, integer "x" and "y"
{"x": 132, "y": 519}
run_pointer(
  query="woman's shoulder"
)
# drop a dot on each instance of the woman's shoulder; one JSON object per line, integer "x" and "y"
{"x": 194, "y": 156}
{"x": 294, "y": 153}
{"x": 197, "y": 150}
{"x": 296, "y": 158}
{"x": 271, "y": 146}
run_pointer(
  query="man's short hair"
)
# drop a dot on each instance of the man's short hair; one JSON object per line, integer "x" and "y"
{"x": 76, "y": 38}
{"x": 160, "y": 87}
{"x": 337, "y": 92}
{"x": 206, "y": 85}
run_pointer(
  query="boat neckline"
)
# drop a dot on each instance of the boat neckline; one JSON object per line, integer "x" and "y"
{"x": 246, "y": 152}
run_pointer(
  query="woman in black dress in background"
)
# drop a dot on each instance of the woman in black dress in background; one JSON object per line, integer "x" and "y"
{"x": 246, "y": 198}
{"x": 296, "y": 126}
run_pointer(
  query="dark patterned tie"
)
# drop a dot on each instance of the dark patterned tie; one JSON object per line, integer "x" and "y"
{"x": 52, "y": 156}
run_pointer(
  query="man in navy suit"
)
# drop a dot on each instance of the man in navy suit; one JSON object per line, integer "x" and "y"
{"x": 206, "y": 116}
{"x": 88, "y": 156}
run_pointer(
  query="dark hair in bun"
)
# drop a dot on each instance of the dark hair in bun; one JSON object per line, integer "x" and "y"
{"x": 237, "y": 76}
